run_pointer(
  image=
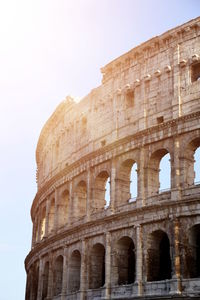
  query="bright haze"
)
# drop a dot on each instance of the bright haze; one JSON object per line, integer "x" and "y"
{"x": 48, "y": 50}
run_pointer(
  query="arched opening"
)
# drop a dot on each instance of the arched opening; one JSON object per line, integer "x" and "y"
{"x": 125, "y": 261}
{"x": 158, "y": 259}
{"x": 51, "y": 216}
{"x": 34, "y": 282}
{"x": 127, "y": 182}
{"x": 80, "y": 199}
{"x": 193, "y": 253}
{"x": 45, "y": 281}
{"x": 97, "y": 267}
{"x": 133, "y": 183}
{"x": 192, "y": 163}
{"x": 42, "y": 223}
{"x": 101, "y": 191}
{"x": 58, "y": 275}
{"x": 63, "y": 206}
{"x": 74, "y": 271}
{"x": 197, "y": 166}
{"x": 165, "y": 173}
{"x": 157, "y": 181}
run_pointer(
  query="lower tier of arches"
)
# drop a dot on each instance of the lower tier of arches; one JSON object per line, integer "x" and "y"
{"x": 157, "y": 258}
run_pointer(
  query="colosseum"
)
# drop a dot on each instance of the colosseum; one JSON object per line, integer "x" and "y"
{"x": 103, "y": 227}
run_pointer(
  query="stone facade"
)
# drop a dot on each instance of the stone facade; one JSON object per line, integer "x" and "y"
{"x": 84, "y": 248}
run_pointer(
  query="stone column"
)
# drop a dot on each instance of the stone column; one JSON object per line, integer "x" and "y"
{"x": 176, "y": 171}
{"x": 50, "y": 279}
{"x": 89, "y": 194}
{"x": 142, "y": 193}
{"x": 47, "y": 218}
{"x": 83, "y": 275}
{"x": 70, "y": 219}
{"x": 139, "y": 260}
{"x": 34, "y": 233}
{"x": 113, "y": 185}
{"x": 65, "y": 274}
{"x": 177, "y": 256}
{"x": 40, "y": 280}
{"x": 56, "y": 211}
{"x": 108, "y": 267}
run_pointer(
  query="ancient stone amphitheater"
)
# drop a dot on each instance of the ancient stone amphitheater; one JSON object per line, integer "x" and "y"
{"x": 92, "y": 238}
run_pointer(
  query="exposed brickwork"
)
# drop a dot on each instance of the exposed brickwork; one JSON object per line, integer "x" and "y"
{"x": 145, "y": 248}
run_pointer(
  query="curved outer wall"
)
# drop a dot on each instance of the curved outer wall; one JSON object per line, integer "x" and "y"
{"x": 147, "y": 106}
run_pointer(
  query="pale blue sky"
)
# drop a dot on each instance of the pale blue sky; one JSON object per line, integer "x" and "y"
{"x": 49, "y": 49}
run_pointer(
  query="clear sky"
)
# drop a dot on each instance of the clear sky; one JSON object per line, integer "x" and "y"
{"x": 49, "y": 49}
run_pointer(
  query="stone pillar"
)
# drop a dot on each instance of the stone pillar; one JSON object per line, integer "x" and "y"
{"x": 176, "y": 171}
{"x": 89, "y": 195}
{"x": 177, "y": 256}
{"x": 142, "y": 176}
{"x": 176, "y": 100}
{"x": 56, "y": 211}
{"x": 34, "y": 233}
{"x": 113, "y": 186}
{"x": 47, "y": 218}
{"x": 108, "y": 267}
{"x": 39, "y": 225}
{"x": 40, "y": 280}
{"x": 65, "y": 274}
{"x": 70, "y": 219}
{"x": 139, "y": 260}
{"x": 83, "y": 275}
{"x": 50, "y": 279}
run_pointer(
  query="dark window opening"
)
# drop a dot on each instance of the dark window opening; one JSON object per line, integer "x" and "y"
{"x": 159, "y": 261}
{"x": 160, "y": 120}
{"x": 129, "y": 99}
{"x": 195, "y": 72}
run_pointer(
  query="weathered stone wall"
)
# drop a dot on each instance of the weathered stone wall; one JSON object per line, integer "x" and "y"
{"x": 146, "y": 107}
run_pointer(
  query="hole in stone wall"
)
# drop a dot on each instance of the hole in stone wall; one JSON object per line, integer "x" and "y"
{"x": 165, "y": 173}
{"x": 107, "y": 193}
{"x": 45, "y": 281}
{"x": 195, "y": 72}
{"x": 129, "y": 97}
{"x": 160, "y": 120}
{"x": 133, "y": 183}
{"x": 97, "y": 267}
{"x": 58, "y": 273}
{"x": 159, "y": 261}
{"x": 74, "y": 271}
{"x": 197, "y": 166}
{"x": 126, "y": 261}
{"x": 193, "y": 253}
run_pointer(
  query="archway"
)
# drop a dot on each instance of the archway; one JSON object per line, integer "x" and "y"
{"x": 58, "y": 275}
{"x": 158, "y": 259}
{"x": 97, "y": 266}
{"x": 74, "y": 271}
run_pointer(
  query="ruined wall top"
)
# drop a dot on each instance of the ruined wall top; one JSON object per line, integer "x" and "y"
{"x": 151, "y": 84}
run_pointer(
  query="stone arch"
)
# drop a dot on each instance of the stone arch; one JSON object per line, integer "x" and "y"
{"x": 63, "y": 208}
{"x": 42, "y": 223}
{"x": 45, "y": 278}
{"x": 97, "y": 266}
{"x": 158, "y": 256}
{"x": 99, "y": 191}
{"x": 124, "y": 261}
{"x": 189, "y": 165}
{"x": 193, "y": 251}
{"x": 153, "y": 179}
{"x": 34, "y": 281}
{"x": 124, "y": 183}
{"x": 74, "y": 271}
{"x": 58, "y": 275}
{"x": 51, "y": 216}
{"x": 80, "y": 199}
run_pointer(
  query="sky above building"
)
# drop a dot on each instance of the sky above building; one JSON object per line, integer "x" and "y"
{"x": 50, "y": 49}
